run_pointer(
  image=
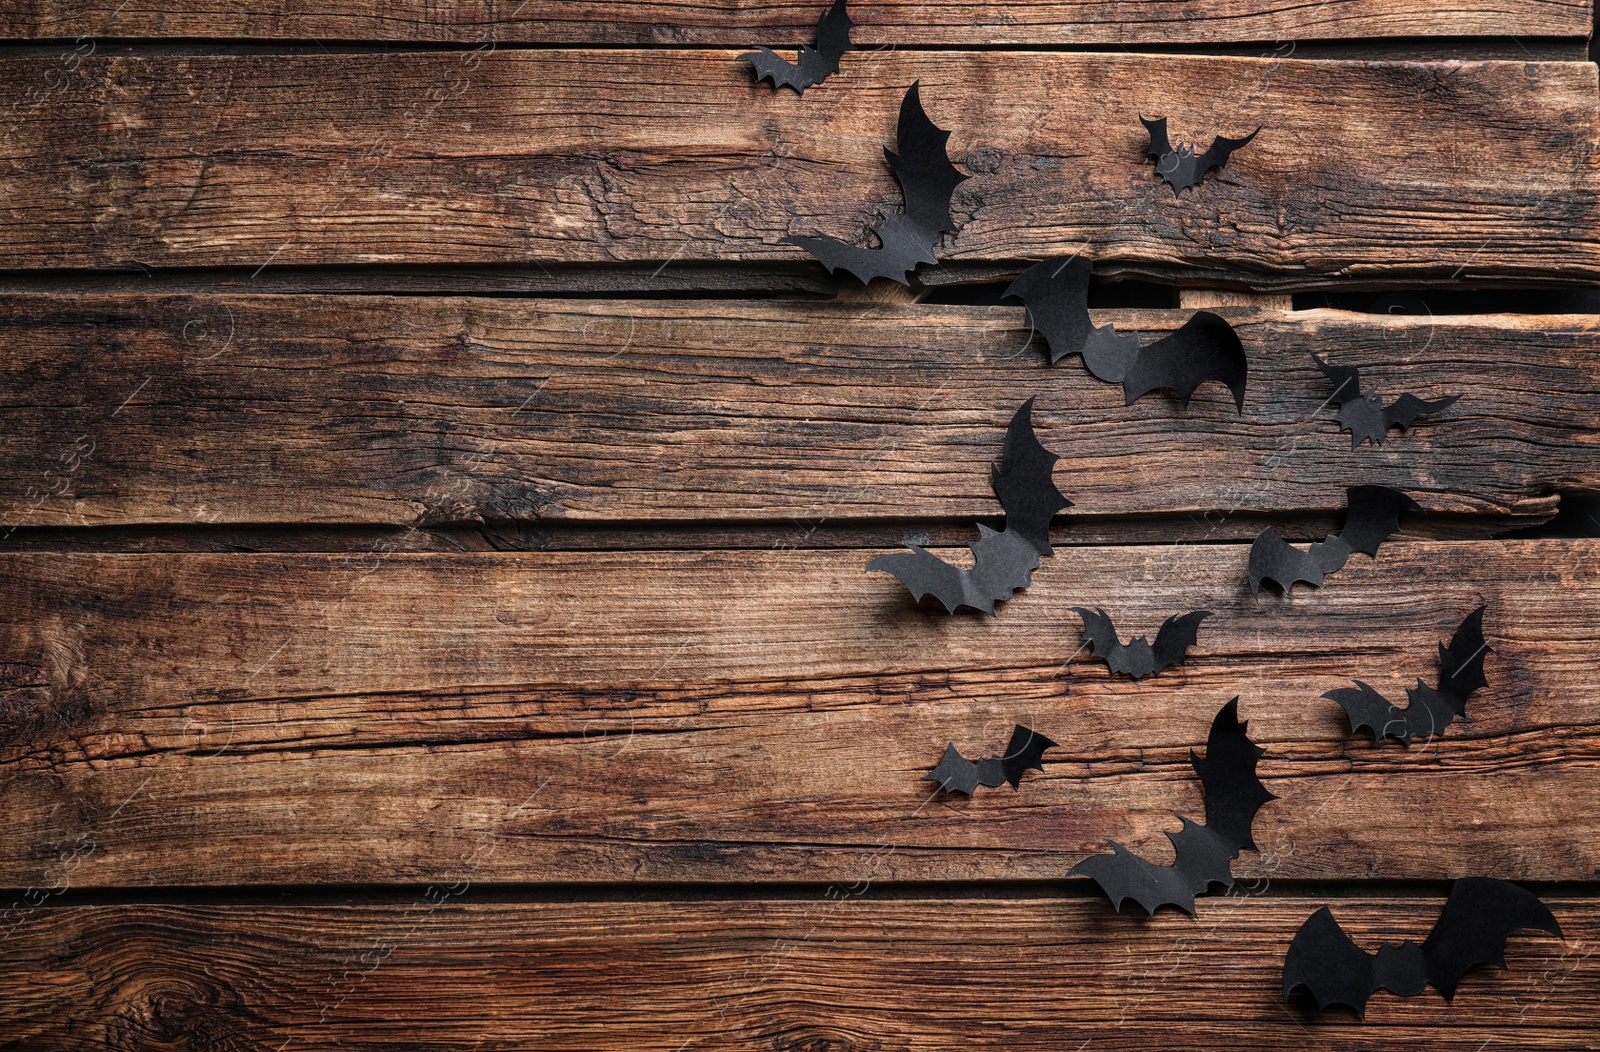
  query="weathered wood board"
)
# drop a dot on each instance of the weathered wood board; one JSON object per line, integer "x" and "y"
{"x": 744, "y": 716}
{"x": 879, "y": 22}
{"x": 574, "y": 156}
{"x": 140, "y": 410}
{"x": 831, "y": 971}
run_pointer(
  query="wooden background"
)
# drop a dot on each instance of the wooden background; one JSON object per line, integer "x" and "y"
{"x": 432, "y": 607}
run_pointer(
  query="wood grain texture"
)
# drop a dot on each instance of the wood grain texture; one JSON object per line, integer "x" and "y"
{"x": 845, "y": 970}
{"x": 628, "y": 157}
{"x": 882, "y": 22}
{"x": 214, "y": 720}
{"x": 202, "y": 410}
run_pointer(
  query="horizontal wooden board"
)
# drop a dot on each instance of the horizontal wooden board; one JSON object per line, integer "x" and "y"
{"x": 845, "y": 970}
{"x": 215, "y": 410}
{"x": 1473, "y": 170}
{"x": 881, "y": 22}
{"x": 215, "y": 720}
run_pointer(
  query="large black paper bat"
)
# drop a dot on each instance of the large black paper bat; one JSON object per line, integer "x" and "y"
{"x": 927, "y": 178}
{"x": 957, "y": 774}
{"x": 1372, "y": 513}
{"x": 811, "y": 65}
{"x": 1480, "y": 915}
{"x": 1430, "y": 709}
{"x": 1002, "y": 562}
{"x": 1203, "y": 855}
{"x": 1181, "y": 167}
{"x": 1056, "y": 296}
{"x": 1364, "y": 415}
{"x": 1138, "y": 658}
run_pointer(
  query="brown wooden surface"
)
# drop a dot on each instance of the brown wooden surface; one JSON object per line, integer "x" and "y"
{"x": 749, "y": 716}
{"x": 216, "y": 410}
{"x": 258, "y": 160}
{"x": 883, "y": 22}
{"x": 829, "y": 972}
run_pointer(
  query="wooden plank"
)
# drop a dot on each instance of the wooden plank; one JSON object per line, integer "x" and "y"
{"x": 883, "y": 22}
{"x": 210, "y": 720}
{"x": 468, "y": 158}
{"x": 836, "y": 971}
{"x": 126, "y": 409}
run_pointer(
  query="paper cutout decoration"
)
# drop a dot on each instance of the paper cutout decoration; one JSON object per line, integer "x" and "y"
{"x": 1430, "y": 709}
{"x": 1364, "y": 415}
{"x": 1137, "y": 658}
{"x": 1203, "y": 855}
{"x": 1372, "y": 513}
{"x": 1479, "y": 917}
{"x": 927, "y": 179}
{"x": 811, "y": 65}
{"x": 1003, "y": 562}
{"x": 1055, "y": 294}
{"x": 957, "y": 774}
{"x": 1181, "y": 167}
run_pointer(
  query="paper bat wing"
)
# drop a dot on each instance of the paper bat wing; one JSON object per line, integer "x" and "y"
{"x": 1056, "y": 295}
{"x": 811, "y": 65}
{"x": 1324, "y": 960}
{"x": 1177, "y": 634}
{"x": 769, "y": 65}
{"x": 1408, "y": 409}
{"x": 1373, "y": 513}
{"x": 1024, "y": 480}
{"x": 1346, "y": 381}
{"x": 1370, "y": 710}
{"x": 927, "y": 177}
{"x": 1228, "y": 771}
{"x": 1478, "y": 918}
{"x": 1274, "y": 559}
{"x": 1024, "y": 752}
{"x": 900, "y": 252}
{"x": 1205, "y": 348}
{"x": 1099, "y": 630}
{"x": 1160, "y": 145}
{"x": 955, "y": 773}
{"x": 833, "y": 36}
{"x": 1222, "y": 148}
{"x": 1461, "y": 663}
{"x": 1003, "y": 563}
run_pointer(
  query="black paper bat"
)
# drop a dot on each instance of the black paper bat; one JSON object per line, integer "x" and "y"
{"x": 927, "y": 179}
{"x": 957, "y": 774}
{"x": 1056, "y": 296}
{"x": 1138, "y": 658}
{"x": 1430, "y": 709}
{"x": 1002, "y": 562}
{"x": 1182, "y": 167}
{"x": 811, "y": 65}
{"x": 1363, "y": 415}
{"x": 1203, "y": 855}
{"x": 1372, "y": 513}
{"x": 1480, "y": 915}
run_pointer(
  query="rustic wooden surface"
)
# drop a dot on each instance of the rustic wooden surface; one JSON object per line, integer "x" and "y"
{"x": 421, "y": 626}
{"x": 356, "y": 410}
{"x": 830, "y": 971}
{"x": 881, "y": 22}
{"x": 739, "y": 716}
{"x": 453, "y": 157}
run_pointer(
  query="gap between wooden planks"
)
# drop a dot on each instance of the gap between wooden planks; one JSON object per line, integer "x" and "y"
{"x": 749, "y": 716}
{"x": 1478, "y": 170}
{"x": 136, "y": 410}
{"x": 879, "y": 22}
{"x": 842, "y": 971}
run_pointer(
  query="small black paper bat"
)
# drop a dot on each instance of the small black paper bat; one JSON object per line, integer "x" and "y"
{"x": 1372, "y": 513}
{"x": 1138, "y": 658}
{"x": 1056, "y": 296}
{"x": 1364, "y": 415}
{"x": 1002, "y": 562}
{"x": 1430, "y": 709}
{"x": 927, "y": 179}
{"x": 1203, "y": 855}
{"x": 957, "y": 774}
{"x": 1479, "y": 917}
{"x": 811, "y": 65}
{"x": 1181, "y": 167}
